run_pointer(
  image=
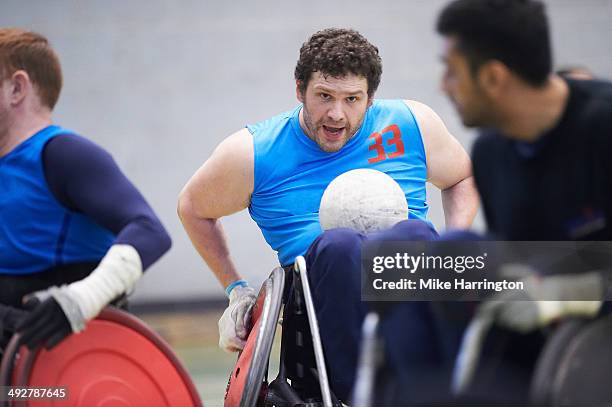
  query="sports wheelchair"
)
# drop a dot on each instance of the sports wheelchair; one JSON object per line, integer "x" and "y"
{"x": 302, "y": 377}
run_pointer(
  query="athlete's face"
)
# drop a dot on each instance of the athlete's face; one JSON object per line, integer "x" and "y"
{"x": 462, "y": 88}
{"x": 333, "y": 109}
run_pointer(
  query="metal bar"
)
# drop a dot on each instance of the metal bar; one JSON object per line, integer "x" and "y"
{"x": 368, "y": 362}
{"x": 300, "y": 268}
{"x": 469, "y": 353}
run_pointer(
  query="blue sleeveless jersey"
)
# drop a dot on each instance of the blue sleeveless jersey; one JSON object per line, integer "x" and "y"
{"x": 292, "y": 172}
{"x": 36, "y": 231}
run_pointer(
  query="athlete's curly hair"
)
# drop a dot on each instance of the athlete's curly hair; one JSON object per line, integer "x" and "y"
{"x": 338, "y": 52}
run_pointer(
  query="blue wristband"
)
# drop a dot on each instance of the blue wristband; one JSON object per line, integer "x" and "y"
{"x": 229, "y": 288}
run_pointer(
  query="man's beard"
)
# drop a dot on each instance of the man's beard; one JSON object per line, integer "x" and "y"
{"x": 313, "y": 130}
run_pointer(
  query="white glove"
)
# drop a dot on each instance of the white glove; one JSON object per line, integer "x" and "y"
{"x": 59, "y": 311}
{"x": 116, "y": 274}
{"x": 235, "y": 323}
{"x": 545, "y": 300}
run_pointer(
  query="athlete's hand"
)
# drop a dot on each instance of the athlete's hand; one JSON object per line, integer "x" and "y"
{"x": 48, "y": 323}
{"x": 235, "y": 323}
{"x": 545, "y": 300}
{"x": 9, "y": 318}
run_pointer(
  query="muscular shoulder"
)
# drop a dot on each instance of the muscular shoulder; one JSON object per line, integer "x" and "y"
{"x": 447, "y": 161}
{"x": 232, "y": 160}
{"x": 239, "y": 145}
{"x": 423, "y": 112}
{"x": 433, "y": 129}
{"x": 224, "y": 183}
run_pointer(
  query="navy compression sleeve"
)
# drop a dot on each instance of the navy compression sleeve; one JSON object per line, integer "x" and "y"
{"x": 85, "y": 178}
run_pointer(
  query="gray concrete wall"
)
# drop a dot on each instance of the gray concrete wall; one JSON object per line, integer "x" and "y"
{"x": 161, "y": 83}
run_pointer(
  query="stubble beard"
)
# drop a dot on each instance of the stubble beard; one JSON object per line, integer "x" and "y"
{"x": 313, "y": 129}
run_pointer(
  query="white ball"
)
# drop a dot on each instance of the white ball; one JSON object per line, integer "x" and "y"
{"x": 365, "y": 200}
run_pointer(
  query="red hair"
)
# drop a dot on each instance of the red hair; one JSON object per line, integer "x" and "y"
{"x": 32, "y": 53}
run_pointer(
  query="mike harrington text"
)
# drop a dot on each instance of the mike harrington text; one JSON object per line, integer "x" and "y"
{"x": 438, "y": 284}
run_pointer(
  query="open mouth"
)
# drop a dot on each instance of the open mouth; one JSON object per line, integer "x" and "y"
{"x": 333, "y": 132}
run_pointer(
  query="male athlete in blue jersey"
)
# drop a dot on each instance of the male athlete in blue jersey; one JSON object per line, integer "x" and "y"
{"x": 279, "y": 168}
{"x": 73, "y": 230}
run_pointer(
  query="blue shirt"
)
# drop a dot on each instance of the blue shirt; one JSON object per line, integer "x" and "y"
{"x": 292, "y": 172}
{"x": 36, "y": 231}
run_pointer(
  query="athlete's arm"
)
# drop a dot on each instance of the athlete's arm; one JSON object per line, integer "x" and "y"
{"x": 220, "y": 187}
{"x": 448, "y": 167}
{"x": 84, "y": 177}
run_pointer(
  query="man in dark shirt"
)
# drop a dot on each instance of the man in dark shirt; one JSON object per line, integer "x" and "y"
{"x": 75, "y": 234}
{"x": 557, "y": 186}
{"x": 542, "y": 161}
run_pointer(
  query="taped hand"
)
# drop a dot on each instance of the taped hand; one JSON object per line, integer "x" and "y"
{"x": 235, "y": 323}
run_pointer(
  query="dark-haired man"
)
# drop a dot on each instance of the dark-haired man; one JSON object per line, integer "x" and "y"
{"x": 542, "y": 163}
{"x": 73, "y": 228}
{"x": 280, "y": 167}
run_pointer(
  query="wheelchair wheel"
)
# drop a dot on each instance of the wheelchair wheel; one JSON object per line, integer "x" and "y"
{"x": 574, "y": 368}
{"x": 117, "y": 359}
{"x": 246, "y": 382}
